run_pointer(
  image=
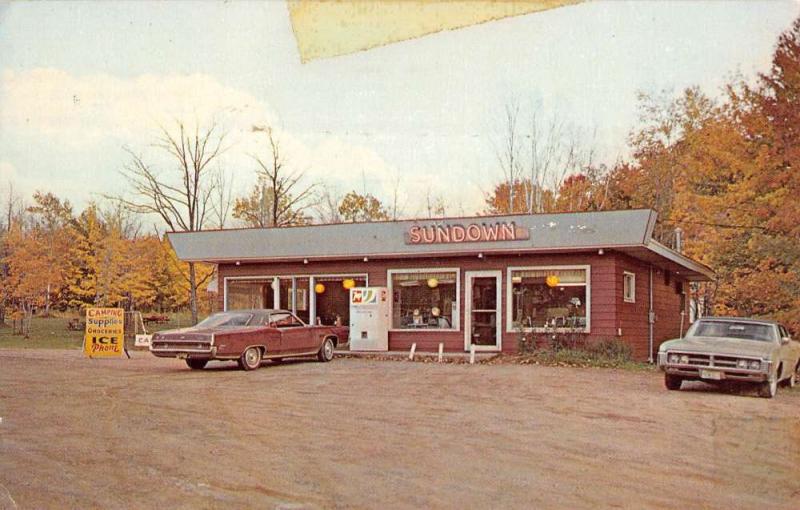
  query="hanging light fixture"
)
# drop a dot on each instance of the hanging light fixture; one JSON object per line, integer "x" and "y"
{"x": 433, "y": 283}
{"x": 319, "y": 288}
{"x": 552, "y": 280}
{"x": 348, "y": 283}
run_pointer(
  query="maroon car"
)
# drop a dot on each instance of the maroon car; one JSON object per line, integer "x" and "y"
{"x": 247, "y": 336}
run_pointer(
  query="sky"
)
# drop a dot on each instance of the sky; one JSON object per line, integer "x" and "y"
{"x": 81, "y": 82}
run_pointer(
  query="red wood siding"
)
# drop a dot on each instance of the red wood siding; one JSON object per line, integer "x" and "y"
{"x": 608, "y": 312}
{"x": 633, "y": 317}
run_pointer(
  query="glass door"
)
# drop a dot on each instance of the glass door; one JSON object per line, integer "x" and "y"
{"x": 482, "y": 314}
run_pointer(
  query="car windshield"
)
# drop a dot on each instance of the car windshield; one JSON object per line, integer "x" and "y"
{"x": 734, "y": 329}
{"x": 226, "y": 319}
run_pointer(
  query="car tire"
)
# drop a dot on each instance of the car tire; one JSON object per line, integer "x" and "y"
{"x": 768, "y": 389}
{"x": 251, "y": 359}
{"x": 196, "y": 364}
{"x": 325, "y": 353}
{"x": 792, "y": 381}
{"x": 672, "y": 382}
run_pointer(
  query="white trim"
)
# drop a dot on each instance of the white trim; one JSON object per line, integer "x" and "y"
{"x": 456, "y": 322}
{"x": 625, "y": 298}
{"x": 468, "y": 275}
{"x": 276, "y": 292}
{"x": 510, "y": 298}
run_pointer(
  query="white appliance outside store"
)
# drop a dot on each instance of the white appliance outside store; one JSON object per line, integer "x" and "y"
{"x": 370, "y": 319}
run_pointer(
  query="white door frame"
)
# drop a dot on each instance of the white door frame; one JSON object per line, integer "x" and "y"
{"x": 468, "y": 276}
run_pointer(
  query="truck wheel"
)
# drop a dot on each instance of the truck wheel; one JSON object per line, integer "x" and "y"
{"x": 672, "y": 382}
{"x": 326, "y": 351}
{"x": 251, "y": 359}
{"x": 768, "y": 389}
{"x": 196, "y": 364}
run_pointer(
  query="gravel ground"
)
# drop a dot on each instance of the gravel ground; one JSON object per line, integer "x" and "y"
{"x": 149, "y": 433}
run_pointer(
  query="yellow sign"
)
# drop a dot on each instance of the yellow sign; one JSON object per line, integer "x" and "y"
{"x": 105, "y": 332}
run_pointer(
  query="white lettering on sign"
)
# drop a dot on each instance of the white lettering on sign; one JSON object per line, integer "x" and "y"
{"x": 471, "y": 233}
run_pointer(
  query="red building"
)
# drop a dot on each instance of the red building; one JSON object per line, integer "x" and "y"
{"x": 465, "y": 281}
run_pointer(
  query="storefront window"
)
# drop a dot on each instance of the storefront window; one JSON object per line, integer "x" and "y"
{"x": 424, "y": 300}
{"x": 333, "y": 298}
{"x": 302, "y": 299}
{"x": 248, "y": 294}
{"x": 549, "y": 298}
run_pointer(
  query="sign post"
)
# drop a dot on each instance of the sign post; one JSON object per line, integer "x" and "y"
{"x": 105, "y": 333}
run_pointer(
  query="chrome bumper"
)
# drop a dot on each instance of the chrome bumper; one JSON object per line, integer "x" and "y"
{"x": 727, "y": 373}
{"x": 183, "y": 352}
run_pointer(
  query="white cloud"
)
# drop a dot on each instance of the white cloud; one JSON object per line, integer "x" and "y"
{"x": 82, "y": 110}
{"x": 85, "y": 115}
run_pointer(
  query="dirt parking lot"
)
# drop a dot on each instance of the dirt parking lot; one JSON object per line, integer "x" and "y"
{"x": 149, "y": 433}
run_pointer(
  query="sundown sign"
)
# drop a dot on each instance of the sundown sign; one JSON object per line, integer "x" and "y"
{"x": 470, "y": 233}
{"x": 105, "y": 332}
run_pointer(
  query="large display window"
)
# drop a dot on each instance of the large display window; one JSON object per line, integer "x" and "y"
{"x": 425, "y": 299}
{"x": 244, "y": 294}
{"x": 332, "y": 295}
{"x": 549, "y": 298}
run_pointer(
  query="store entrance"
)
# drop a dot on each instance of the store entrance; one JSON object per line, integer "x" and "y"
{"x": 482, "y": 328}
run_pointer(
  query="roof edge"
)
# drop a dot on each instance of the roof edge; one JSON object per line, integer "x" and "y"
{"x": 680, "y": 259}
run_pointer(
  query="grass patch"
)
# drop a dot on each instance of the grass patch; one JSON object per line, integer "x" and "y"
{"x": 46, "y": 333}
{"x": 52, "y": 333}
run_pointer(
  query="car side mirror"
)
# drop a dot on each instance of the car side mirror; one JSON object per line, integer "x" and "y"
{"x": 785, "y": 340}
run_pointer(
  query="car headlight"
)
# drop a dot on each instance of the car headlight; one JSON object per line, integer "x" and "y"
{"x": 674, "y": 358}
{"x": 684, "y": 360}
{"x": 755, "y": 364}
{"x": 742, "y": 363}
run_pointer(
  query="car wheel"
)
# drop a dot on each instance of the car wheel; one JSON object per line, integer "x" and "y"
{"x": 326, "y": 351}
{"x": 196, "y": 364}
{"x": 793, "y": 378}
{"x": 768, "y": 389}
{"x": 672, "y": 382}
{"x": 251, "y": 359}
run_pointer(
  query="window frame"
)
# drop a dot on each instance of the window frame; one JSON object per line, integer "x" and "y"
{"x": 632, "y": 297}
{"x": 455, "y": 323}
{"x": 312, "y": 299}
{"x": 510, "y": 297}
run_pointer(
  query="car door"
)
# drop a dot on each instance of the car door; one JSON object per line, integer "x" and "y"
{"x": 790, "y": 352}
{"x": 294, "y": 334}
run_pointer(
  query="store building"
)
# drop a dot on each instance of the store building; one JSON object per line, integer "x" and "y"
{"x": 465, "y": 281}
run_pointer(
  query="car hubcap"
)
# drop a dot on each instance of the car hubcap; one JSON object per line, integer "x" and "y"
{"x": 773, "y": 387}
{"x": 328, "y": 349}
{"x": 251, "y": 357}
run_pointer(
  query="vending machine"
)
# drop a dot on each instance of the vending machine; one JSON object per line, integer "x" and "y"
{"x": 370, "y": 318}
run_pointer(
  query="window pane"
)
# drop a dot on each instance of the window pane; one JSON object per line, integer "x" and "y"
{"x": 287, "y": 299}
{"x": 537, "y": 305}
{"x": 333, "y": 304}
{"x": 301, "y": 298}
{"x": 247, "y": 294}
{"x": 424, "y": 300}
{"x": 564, "y": 275}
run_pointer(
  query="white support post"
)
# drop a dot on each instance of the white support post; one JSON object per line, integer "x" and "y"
{"x": 472, "y": 355}
{"x": 441, "y": 350}
{"x": 413, "y": 349}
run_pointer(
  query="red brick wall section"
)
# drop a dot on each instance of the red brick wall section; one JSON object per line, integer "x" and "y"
{"x": 608, "y": 312}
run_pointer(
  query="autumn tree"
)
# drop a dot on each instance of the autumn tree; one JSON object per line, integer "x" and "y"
{"x": 356, "y": 207}
{"x": 51, "y": 217}
{"x": 183, "y": 199}
{"x": 499, "y": 201}
{"x": 278, "y": 198}
{"x": 535, "y": 156}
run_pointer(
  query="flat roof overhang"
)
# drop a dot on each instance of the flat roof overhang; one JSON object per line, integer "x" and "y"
{"x": 654, "y": 253}
{"x": 624, "y": 231}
